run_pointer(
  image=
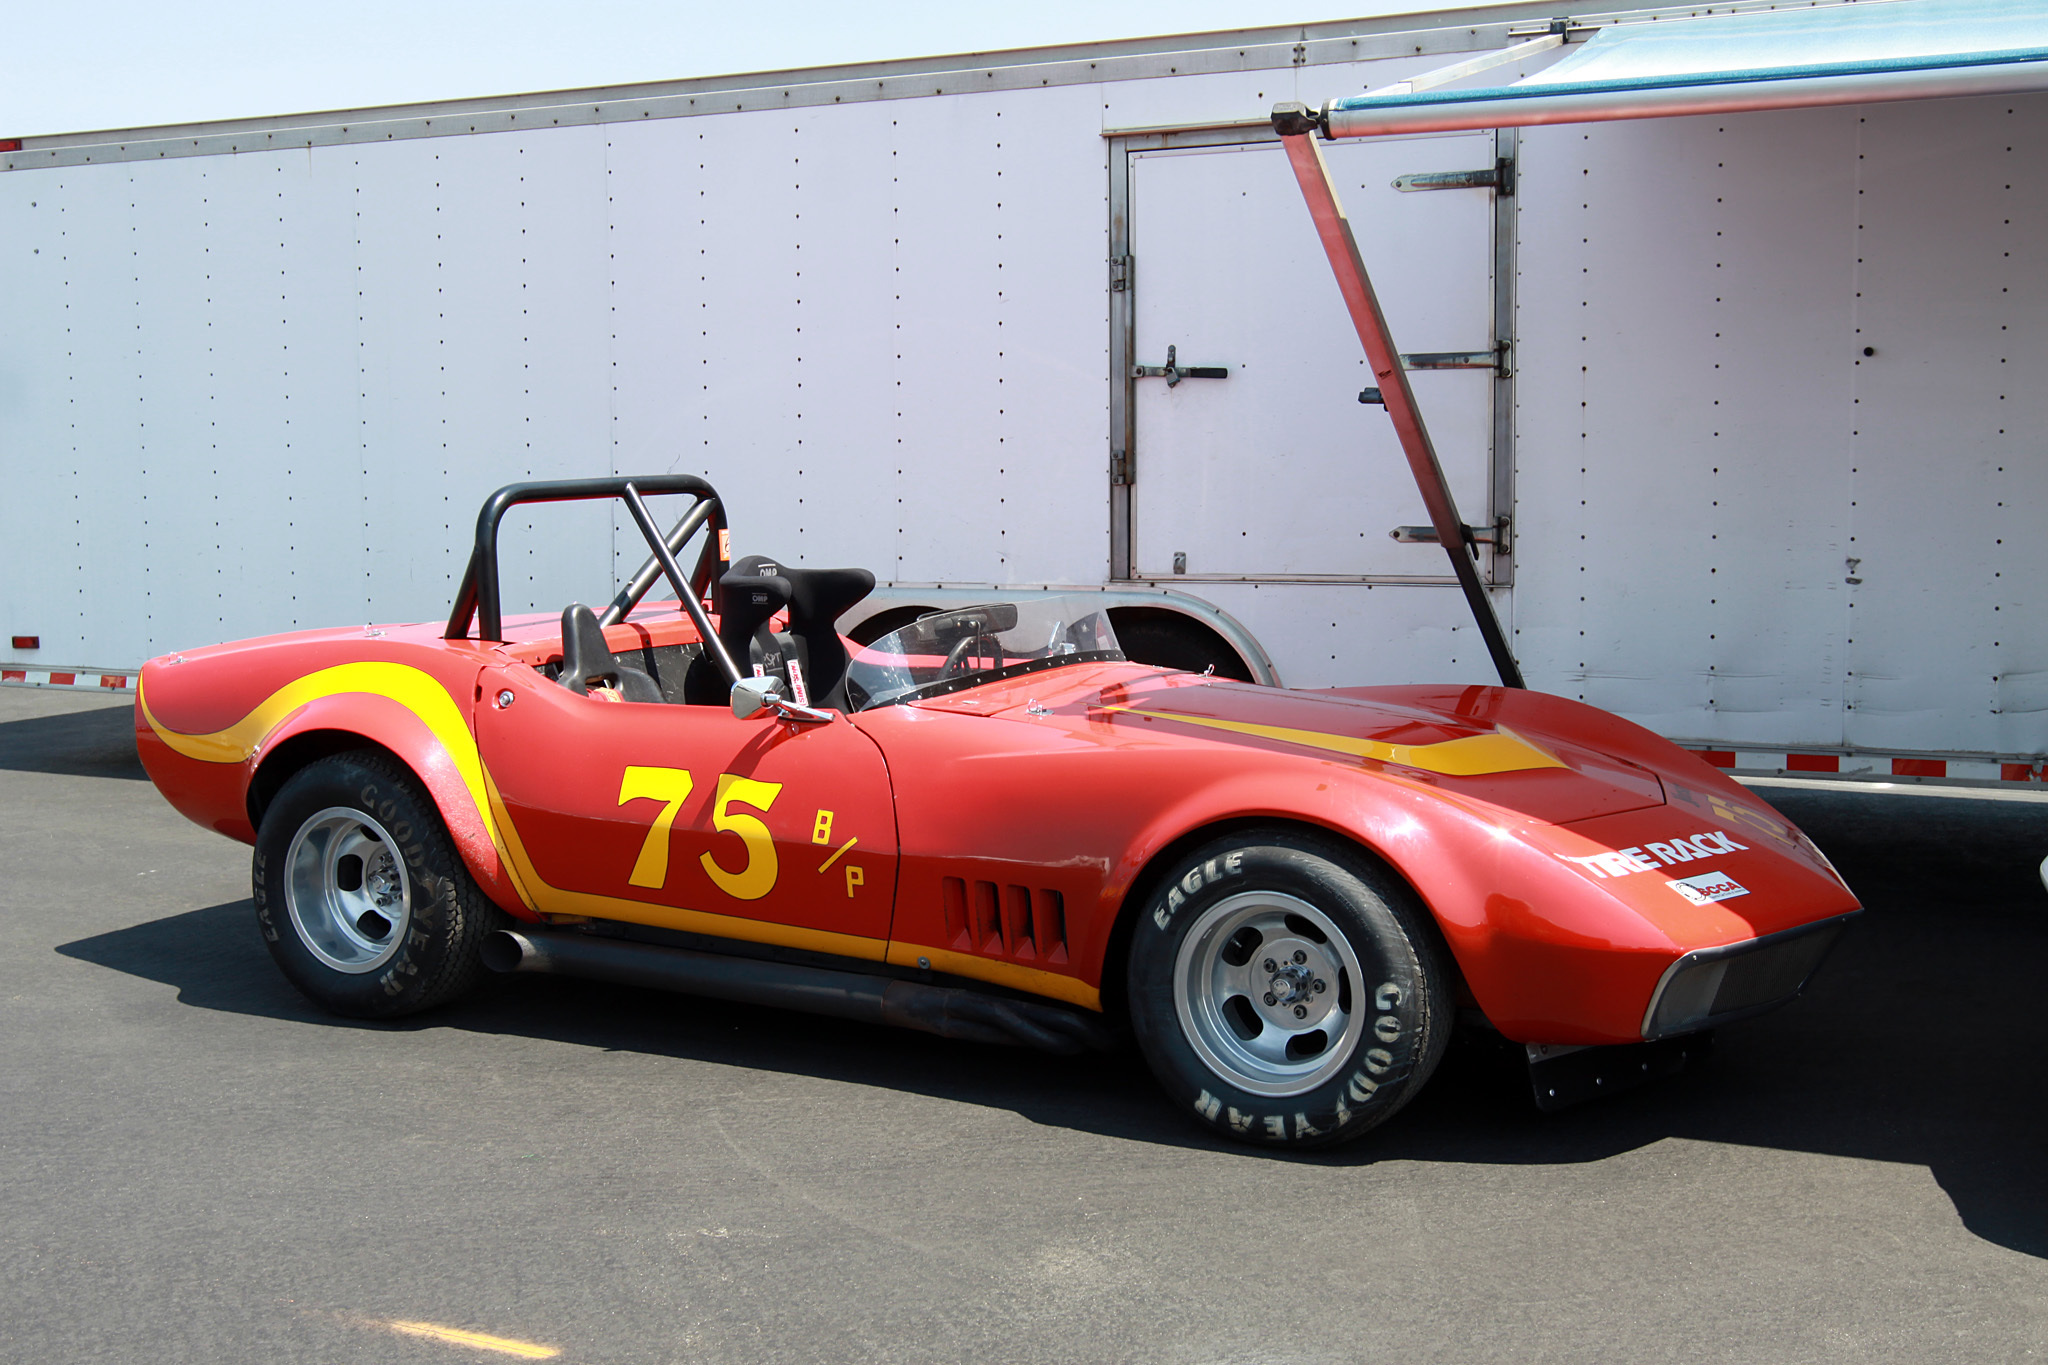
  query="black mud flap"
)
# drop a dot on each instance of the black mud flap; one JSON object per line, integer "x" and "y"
{"x": 1560, "y": 1077}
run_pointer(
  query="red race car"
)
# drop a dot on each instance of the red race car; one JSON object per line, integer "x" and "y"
{"x": 988, "y": 824}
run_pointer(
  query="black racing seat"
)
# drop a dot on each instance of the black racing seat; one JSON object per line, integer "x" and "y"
{"x": 586, "y": 659}
{"x": 747, "y": 598}
{"x": 817, "y": 599}
{"x": 749, "y": 594}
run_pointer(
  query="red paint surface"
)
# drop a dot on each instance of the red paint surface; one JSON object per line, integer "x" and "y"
{"x": 1080, "y": 802}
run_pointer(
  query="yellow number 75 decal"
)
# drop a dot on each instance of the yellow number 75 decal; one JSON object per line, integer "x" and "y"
{"x": 671, "y": 786}
{"x": 757, "y": 878}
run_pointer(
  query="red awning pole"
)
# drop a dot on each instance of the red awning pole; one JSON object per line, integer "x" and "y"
{"x": 1296, "y": 125}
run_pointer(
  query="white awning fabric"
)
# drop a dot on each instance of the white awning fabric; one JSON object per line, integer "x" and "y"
{"x": 1855, "y": 53}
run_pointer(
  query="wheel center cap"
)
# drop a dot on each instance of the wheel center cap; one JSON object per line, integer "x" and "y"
{"x": 1289, "y": 984}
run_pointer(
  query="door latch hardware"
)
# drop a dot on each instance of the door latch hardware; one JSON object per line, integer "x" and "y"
{"x": 1495, "y": 360}
{"x": 1495, "y": 535}
{"x": 1173, "y": 371}
{"x": 1500, "y": 176}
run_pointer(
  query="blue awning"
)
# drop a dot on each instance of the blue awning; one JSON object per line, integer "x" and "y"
{"x": 1856, "y": 53}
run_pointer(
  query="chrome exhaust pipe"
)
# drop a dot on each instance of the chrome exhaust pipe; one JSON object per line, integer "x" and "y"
{"x": 947, "y": 1011}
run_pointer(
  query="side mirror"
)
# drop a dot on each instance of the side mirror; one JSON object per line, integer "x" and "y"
{"x": 751, "y": 694}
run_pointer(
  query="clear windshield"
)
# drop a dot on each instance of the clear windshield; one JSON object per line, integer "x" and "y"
{"x": 948, "y": 651}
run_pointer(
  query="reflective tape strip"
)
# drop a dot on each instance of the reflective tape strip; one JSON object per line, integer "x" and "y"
{"x": 90, "y": 679}
{"x": 1868, "y": 765}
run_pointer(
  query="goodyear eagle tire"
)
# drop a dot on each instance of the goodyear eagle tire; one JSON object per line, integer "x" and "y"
{"x": 1286, "y": 990}
{"x": 360, "y": 894}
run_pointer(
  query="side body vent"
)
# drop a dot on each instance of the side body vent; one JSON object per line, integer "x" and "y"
{"x": 1021, "y": 923}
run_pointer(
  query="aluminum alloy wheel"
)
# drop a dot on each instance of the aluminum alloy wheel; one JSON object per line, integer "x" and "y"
{"x": 1266, "y": 988}
{"x": 346, "y": 891}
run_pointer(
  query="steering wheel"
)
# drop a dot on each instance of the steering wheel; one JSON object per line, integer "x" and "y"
{"x": 967, "y": 648}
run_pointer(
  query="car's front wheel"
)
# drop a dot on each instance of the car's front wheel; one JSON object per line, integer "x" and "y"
{"x": 360, "y": 894}
{"x": 1287, "y": 989}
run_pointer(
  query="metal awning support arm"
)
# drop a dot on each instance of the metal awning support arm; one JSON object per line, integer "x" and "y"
{"x": 1296, "y": 125}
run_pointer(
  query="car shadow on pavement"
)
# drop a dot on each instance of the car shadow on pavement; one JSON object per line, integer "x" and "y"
{"x": 93, "y": 743}
{"x": 1920, "y": 1042}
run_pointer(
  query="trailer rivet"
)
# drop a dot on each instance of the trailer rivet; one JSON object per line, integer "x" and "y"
{"x": 924, "y": 964}
{"x": 505, "y": 699}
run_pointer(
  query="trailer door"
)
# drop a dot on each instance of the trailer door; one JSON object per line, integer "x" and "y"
{"x": 1276, "y": 473}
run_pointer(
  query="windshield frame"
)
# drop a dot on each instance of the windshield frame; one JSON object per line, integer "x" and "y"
{"x": 966, "y": 681}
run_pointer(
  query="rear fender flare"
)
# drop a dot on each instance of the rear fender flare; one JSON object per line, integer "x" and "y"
{"x": 386, "y": 723}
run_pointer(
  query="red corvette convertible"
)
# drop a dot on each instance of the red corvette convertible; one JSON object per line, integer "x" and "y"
{"x": 988, "y": 824}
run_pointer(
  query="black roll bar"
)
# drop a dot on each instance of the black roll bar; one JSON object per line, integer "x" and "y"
{"x": 477, "y": 598}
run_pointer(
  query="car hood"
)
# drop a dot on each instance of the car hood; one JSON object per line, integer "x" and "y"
{"x": 1541, "y": 756}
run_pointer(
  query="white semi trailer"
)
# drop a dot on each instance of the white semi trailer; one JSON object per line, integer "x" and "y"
{"x": 1746, "y": 407}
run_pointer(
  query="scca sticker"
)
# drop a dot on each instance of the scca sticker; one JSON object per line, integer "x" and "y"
{"x": 1650, "y": 857}
{"x": 1708, "y": 887}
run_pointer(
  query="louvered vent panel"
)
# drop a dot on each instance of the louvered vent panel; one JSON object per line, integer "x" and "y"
{"x": 988, "y": 920}
{"x": 1027, "y": 924}
{"x": 953, "y": 896}
{"x": 1049, "y": 925}
{"x": 1017, "y": 922}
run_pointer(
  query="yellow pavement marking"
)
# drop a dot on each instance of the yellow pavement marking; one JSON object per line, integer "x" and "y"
{"x": 455, "y": 1336}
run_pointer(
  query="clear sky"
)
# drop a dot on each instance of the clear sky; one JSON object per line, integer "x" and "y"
{"x": 125, "y": 64}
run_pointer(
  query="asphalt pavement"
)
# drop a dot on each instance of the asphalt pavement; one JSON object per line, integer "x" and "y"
{"x": 196, "y": 1165}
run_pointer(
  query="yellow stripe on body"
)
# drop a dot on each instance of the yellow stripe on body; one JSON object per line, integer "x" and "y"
{"x": 418, "y": 692}
{"x": 1503, "y": 751}
{"x": 1032, "y": 979}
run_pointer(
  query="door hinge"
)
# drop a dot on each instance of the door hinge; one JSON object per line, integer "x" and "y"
{"x": 1119, "y": 468}
{"x": 1500, "y": 178}
{"x": 1119, "y": 273}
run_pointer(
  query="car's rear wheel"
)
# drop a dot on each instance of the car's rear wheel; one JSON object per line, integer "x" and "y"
{"x": 361, "y": 896}
{"x": 1287, "y": 989}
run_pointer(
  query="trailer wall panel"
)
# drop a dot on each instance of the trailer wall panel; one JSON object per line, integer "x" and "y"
{"x": 1949, "y": 469}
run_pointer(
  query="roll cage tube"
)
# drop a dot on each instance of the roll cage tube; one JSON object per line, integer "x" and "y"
{"x": 1298, "y": 126}
{"x": 477, "y": 598}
